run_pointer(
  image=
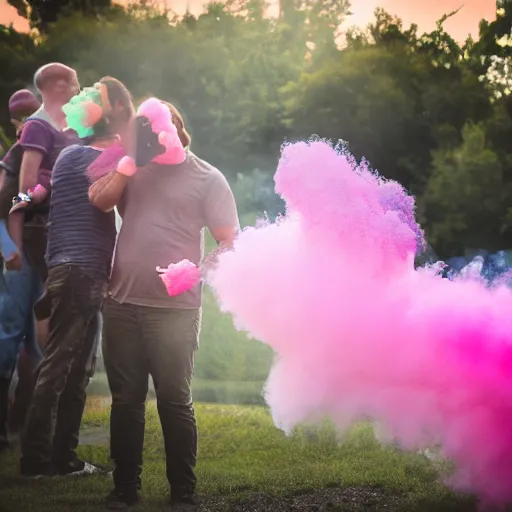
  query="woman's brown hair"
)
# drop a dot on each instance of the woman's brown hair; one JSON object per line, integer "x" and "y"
{"x": 120, "y": 108}
{"x": 177, "y": 120}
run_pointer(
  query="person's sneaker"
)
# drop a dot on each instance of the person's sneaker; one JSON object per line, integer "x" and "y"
{"x": 118, "y": 500}
{"x": 81, "y": 468}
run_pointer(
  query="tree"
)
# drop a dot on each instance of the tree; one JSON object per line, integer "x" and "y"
{"x": 371, "y": 98}
{"x": 41, "y": 13}
{"x": 464, "y": 201}
{"x": 19, "y": 57}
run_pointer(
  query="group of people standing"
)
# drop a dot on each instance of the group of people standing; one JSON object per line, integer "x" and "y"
{"x": 94, "y": 275}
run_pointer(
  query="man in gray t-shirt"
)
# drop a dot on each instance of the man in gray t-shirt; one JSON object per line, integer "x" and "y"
{"x": 164, "y": 211}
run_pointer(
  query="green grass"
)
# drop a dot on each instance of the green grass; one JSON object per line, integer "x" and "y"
{"x": 241, "y": 452}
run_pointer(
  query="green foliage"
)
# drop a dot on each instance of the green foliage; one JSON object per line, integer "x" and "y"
{"x": 464, "y": 199}
{"x": 225, "y": 353}
{"x": 246, "y": 83}
{"x": 41, "y": 13}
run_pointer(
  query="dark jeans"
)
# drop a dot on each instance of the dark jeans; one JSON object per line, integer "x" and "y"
{"x": 53, "y": 420}
{"x": 140, "y": 341}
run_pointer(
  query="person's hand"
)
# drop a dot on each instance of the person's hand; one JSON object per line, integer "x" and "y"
{"x": 22, "y": 205}
{"x": 39, "y": 194}
{"x": 147, "y": 143}
{"x": 14, "y": 263}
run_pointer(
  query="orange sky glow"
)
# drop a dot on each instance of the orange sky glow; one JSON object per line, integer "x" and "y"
{"x": 424, "y": 14}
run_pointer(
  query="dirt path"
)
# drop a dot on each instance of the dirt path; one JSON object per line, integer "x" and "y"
{"x": 348, "y": 499}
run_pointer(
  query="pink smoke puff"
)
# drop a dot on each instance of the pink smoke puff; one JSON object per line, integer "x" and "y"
{"x": 160, "y": 118}
{"x": 38, "y": 194}
{"x": 92, "y": 113}
{"x": 179, "y": 277}
{"x": 359, "y": 333}
{"x": 106, "y": 162}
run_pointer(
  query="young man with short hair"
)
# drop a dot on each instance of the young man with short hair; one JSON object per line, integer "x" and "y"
{"x": 165, "y": 209}
{"x": 81, "y": 242}
{"x": 40, "y": 142}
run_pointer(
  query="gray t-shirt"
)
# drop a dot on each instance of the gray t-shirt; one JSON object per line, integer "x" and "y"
{"x": 165, "y": 210}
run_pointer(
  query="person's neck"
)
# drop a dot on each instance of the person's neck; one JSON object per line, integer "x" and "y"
{"x": 104, "y": 142}
{"x": 54, "y": 111}
{"x": 126, "y": 135}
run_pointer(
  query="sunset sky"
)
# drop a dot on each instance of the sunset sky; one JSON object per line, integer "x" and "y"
{"x": 411, "y": 11}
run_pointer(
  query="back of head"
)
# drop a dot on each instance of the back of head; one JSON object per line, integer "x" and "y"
{"x": 177, "y": 120}
{"x": 23, "y": 103}
{"x": 117, "y": 107}
{"x": 56, "y": 82}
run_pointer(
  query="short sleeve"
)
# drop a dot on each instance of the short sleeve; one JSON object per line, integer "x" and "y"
{"x": 36, "y": 136}
{"x": 219, "y": 204}
{"x": 67, "y": 159}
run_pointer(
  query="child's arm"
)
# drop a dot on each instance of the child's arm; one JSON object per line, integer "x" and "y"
{"x": 16, "y": 221}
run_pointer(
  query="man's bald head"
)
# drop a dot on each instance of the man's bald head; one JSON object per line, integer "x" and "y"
{"x": 48, "y": 74}
{"x": 56, "y": 80}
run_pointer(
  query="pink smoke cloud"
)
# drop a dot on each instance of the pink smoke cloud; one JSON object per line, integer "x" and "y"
{"x": 359, "y": 333}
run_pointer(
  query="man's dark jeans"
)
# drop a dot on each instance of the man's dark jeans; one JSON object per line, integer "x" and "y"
{"x": 139, "y": 341}
{"x": 53, "y": 421}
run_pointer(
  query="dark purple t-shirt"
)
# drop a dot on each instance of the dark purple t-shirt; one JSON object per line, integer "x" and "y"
{"x": 39, "y": 134}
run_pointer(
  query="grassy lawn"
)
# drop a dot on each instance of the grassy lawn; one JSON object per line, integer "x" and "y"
{"x": 246, "y": 464}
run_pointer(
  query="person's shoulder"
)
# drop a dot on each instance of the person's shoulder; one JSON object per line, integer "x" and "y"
{"x": 71, "y": 150}
{"x": 75, "y": 154}
{"x": 209, "y": 171}
{"x": 37, "y": 133}
{"x": 37, "y": 123}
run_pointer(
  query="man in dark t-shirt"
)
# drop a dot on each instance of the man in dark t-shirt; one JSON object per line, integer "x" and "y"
{"x": 40, "y": 143}
{"x": 81, "y": 241}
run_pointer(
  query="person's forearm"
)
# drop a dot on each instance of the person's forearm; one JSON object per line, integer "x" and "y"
{"x": 106, "y": 193}
{"x": 211, "y": 259}
{"x": 15, "y": 228}
{"x": 29, "y": 170}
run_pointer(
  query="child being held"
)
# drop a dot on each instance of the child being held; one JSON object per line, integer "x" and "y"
{"x": 22, "y": 104}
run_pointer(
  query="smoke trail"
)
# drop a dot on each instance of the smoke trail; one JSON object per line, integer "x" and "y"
{"x": 358, "y": 332}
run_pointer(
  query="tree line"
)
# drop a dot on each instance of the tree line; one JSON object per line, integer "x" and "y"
{"x": 423, "y": 109}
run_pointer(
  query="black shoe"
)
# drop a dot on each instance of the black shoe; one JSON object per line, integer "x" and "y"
{"x": 36, "y": 472}
{"x": 118, "y": 500}
{"x": 184, "y": 502}
{"x": 80, "y": 468}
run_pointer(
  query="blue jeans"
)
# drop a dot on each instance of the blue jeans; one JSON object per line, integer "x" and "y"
{"x": 18, "y": 293}
{"x": 7, "y": 246}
